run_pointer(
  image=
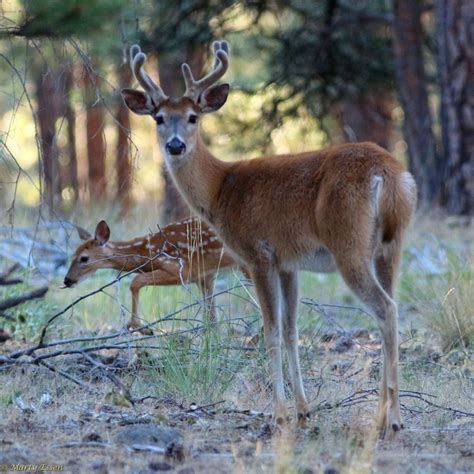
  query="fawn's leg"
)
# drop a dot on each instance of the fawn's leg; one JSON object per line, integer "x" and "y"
{"x": 156, "y": 278}
{"x": 267, "y": 286}
{"x": 359, "y": 276}
{"x": 289, "y": 287}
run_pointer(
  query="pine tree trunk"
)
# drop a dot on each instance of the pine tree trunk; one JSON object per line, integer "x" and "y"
{"x": 95, "y": 136}
{"x": 48, "y": 113}
{"x": 368, "y": 118}
{"x": 411, "y": 79}
{"x": 70, "y": 116}
{"x": 455, "y": 33}
{"x": 124, "y": 165}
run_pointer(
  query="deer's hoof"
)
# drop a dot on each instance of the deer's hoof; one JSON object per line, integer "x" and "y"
{"x": 143, "y": 331}
{"x": 303, "y": 418}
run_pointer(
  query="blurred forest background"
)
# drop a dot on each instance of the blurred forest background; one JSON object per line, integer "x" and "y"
{"x": 304, "y": 74}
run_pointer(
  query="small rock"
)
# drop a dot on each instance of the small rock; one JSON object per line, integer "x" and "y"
{"x": 162, "y": 437}
{"x": 160, "y": 466}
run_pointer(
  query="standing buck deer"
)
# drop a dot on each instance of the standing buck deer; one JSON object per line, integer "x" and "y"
{"x": 345, "y": 208}
{"x": 182, "y": 252}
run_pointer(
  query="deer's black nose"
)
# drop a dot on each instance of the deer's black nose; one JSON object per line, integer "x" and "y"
{"x": 68, "y": 282}
{"x": 175, "y": 147}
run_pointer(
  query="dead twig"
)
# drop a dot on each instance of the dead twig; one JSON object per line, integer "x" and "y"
{"x": 82, "y": 444}
{"x": 4, "y": 281}
{"x": 15, "y": 301}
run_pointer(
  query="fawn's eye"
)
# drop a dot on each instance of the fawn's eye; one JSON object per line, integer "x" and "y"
{"x": 193, "y": 118}
{"x": 84, "y": 259}
{"x": 160, "y": 120}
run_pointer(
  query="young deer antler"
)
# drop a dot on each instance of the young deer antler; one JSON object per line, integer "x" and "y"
{"x": 137, "y": 61}
{"x": 221, "y": 64}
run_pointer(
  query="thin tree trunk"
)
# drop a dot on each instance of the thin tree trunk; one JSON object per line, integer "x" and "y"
{"x": 455, "y": 32}
{"x": 95, "y": 136}
{"x": 174, "y": 207}
{"x": 47, "y": 111}
{"x": 411, "y": 79}
{"x": 70, "y": 116}
{"x": 368, "y": 118}
{"x": 124, "y": 165}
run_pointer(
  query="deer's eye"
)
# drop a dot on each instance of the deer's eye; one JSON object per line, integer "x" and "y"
{"x": 84, "y": 259}
{"x": 160, "y": 120}
{"x": 192, "y": 118}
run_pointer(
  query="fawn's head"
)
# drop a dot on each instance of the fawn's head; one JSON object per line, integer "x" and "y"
{"x": 177, "y": 119}
{"x": 89, "y": 256}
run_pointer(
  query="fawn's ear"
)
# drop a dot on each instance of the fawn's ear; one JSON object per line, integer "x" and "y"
{"x": 214, "y": 98}
{"x": 102, "y": 233}
{"x": 138, "y": 101}
{"x": 83, "y": 233}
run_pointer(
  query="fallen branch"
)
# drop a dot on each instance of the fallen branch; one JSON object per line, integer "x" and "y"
{"x": 12, "y": 302}
{"x": 362, "y": 396}
{"x": 4, "y": 281}
{"x": 82, "y": 444}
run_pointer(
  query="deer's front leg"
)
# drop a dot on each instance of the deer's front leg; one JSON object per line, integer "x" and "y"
{"x": 289, "y": 286}
{"x": 267, "y": 286}
{"x": 155, "y": 278}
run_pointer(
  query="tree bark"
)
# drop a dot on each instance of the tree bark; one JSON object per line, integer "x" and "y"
{"x": 455, "y": 33}
{"x": 95, "y": 136}
{"x": 124, "y": 165}
{"x": 174, "y": 208}
{"x": 48, "y": 113}
{"x": 411, "y": 79}
{"x": 70, "y": 115}
{"x": 368, "y": 118}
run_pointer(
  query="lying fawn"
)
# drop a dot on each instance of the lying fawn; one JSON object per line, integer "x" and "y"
{"x": 182, "y": 252}
{"x": 344, "y": 208}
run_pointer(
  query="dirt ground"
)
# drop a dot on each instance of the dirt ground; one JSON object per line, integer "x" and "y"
{"x": 75, "y": 428}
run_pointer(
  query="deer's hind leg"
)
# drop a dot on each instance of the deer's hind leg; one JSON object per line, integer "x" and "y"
{"x": 387, "y": 261}
{"x": 357, "y": 269}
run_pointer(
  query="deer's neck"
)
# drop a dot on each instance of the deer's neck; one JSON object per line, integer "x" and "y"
{"x": 200, "y": 179}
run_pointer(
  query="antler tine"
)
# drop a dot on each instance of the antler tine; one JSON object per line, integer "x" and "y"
{"x": 221, "y": 64}
{"x": 137, "y": 61}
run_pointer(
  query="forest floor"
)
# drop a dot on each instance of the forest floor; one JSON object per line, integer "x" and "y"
{"x": 195, "y": 397}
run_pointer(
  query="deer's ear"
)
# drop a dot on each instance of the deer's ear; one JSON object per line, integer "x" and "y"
{"x": 138, "y": 101}
{"x": 83, "y": 233}
{"x": 102, "y": 233}
{"x": 214, "y": 98}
